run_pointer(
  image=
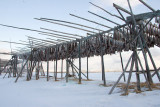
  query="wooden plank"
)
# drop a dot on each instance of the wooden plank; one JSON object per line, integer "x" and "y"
{"x": 121, "y": 75}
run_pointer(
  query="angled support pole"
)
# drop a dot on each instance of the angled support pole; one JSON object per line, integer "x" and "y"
{"x": 130, "y": 74}
{"x": 121, "y": 75}
{"x": 148, "y": 84}
{"x": 137, "y": 72}
{"x": 76, "y": 68}
{"x": 22, "y": 69}
{"x": 6, "y": 65}
{"x": 122, "y": 67}
{"x": 147, "y": 5}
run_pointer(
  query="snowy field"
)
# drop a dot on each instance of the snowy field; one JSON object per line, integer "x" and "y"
{"x": 40, "y": 93}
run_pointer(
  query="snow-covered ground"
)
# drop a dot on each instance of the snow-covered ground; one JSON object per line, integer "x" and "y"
{"x": 40, "y": 93}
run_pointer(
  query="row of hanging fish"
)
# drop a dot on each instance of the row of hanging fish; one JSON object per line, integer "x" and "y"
{"x": 122, "y": 39}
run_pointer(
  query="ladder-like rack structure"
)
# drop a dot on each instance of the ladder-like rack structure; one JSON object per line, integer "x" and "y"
{"x": 137, "y": 34}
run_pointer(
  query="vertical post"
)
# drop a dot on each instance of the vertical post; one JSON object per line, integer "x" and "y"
{"x": 87, "y": 69}
{"x": 47, "y": 64}
{"x": 54, "y": 69}
{"x": 130, "y": 74}
{"x": 31, "y": 63}
{"x": 12, "y": 64}
{"x": 79, "y": 61}
{"x": 67, "y": 70}
{"x": 27, "y": 72}
{"x": 31, "y": 59}
{"x": 72, "y": 67}
{"x": 137, "y": 70}
{"x": 102, "y": 61}
{"x": 30, "y": 70}
{"x": 67, "y": 67}
{"x": 103, "y": 71}
{"x": 62, "y": 69}
{"x": 56, "y": 63}
{"x": 16, "y": 64}
{"x": 37, "y": 71}
{"x": 0, "y": 66}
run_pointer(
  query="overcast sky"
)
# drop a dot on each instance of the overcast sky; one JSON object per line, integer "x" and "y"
{"x": 21, "y": 13}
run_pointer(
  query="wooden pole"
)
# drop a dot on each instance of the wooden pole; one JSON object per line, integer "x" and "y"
{"x": 0, "y": 67}
{"x": 77, "y": 69}
{"x": 56, "y": 64}
{"x": 16, "y": 65}
{"x": 147, "y": 68}
{"x": 67, "y": 70}
{"x": 121, "y": 75}
{"x": 102, "y": 61}
{"x": 67, "y": 67}
{"x": 122, "y": 66}
{"x": 137, "y": 72}
{"x": 47, "y": 64}
{"x": 130, "y": 74}
{"x": 142, "y": 43}
{"x": 21, "y": 70}
{"x": 37, "y": 77}
{"x": 87, "y": 69}
{"x": 31, "y": 63}
{"x": 72, "y": 68}
{"x": 54, "y": 69}
{"x": 62, "y": 69}
{"x": 153, "y": 63}
{"x": 79, "y": 61}
{"x": 28, "y": 71}
{"x": 144, "y": 73}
